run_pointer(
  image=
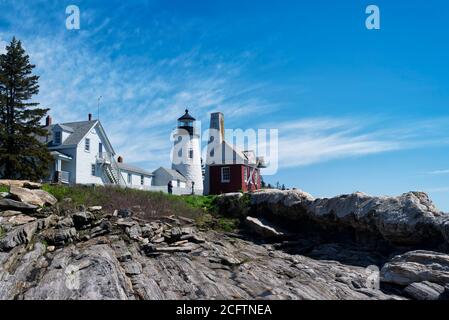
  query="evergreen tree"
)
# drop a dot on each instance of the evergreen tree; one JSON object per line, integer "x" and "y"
{"x": 22, "y": 156}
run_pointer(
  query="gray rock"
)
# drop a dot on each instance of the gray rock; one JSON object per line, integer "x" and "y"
{"x": 83, "y": 220}
{"x": 87, "y": 272}
{"x": 102, "y": 229}
{"x": 417, "y": 266}
{"x": 9, "y": 204}
{"x": 134, "y": 231}
{"x": 66, "y": 222}
{"x": 425, "y": 291}
{"x": 408, "y": 220}
{"x": 60, "y": 237}
{"x": 20, "y": 235}
{"x": 124, "y": 213}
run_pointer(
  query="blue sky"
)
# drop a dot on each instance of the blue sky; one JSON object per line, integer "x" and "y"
{"x": 357, "y": 110}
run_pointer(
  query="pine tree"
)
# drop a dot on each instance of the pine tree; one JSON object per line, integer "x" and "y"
{"x": 22, "y": 156}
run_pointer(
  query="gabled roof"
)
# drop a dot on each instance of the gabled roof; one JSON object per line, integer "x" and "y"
{"x": 63, "y": 127}
{"x": 78, "y": 130}
{"x": 127, "y": 167}
{"x": 175, "y": 175}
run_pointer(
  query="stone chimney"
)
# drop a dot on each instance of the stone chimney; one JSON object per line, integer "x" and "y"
{"x": 48, "y": 121}
{"x": 90, "y": 116}
{"x": 120, "y": 159}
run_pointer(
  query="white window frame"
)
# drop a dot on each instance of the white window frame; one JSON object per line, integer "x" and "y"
{"x": 87, "y": 145}
{"x": 93, "y": 170}
{"x": 223, "y": 180}
{"x": 245, "y": 174}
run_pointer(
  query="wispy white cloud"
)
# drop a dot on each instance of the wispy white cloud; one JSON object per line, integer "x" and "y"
{"x": 438, "y": 172}
{"x": 316, "y": 140}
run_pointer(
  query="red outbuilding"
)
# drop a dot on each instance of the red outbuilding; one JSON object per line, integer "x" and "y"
{"x": 228, "y": 169}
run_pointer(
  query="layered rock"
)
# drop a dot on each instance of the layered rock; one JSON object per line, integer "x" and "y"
{"x": 408, "y": 220}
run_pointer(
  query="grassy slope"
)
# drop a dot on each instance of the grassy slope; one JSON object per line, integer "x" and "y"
{"x": 155, "y": 204}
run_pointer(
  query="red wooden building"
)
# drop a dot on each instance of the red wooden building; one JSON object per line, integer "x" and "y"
{"x": 227, "y": 168}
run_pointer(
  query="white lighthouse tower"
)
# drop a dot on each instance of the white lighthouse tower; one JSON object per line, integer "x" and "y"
{"x": 186, "y": 156}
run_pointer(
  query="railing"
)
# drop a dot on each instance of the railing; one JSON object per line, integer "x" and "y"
{"x": 105, "y": 157}
{"x": 64, "y": 177}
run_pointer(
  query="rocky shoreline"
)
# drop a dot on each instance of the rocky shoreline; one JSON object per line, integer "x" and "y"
{"x": 291, "y": 246}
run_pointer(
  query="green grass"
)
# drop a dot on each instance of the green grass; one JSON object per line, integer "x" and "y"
{"x": 203, "y": 209}
{"x": 152, "y": 204}
{"x": 2, "y": 232}
{"x": 4, "y": 189}
{"x": 206, "y": 203}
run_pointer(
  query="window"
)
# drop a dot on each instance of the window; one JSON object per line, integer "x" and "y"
{"x": 225, "y": 174}
{"x": 92, "y": 169}
{"x": 178, "y": 183}
{"x": 58, "y": 137}
{"x": 142, "y": 180}
{"x": 191, "y": 153}
{"x": 245, "y": 173}
{"x": 87, "y": 145}
{"x": 130, "y": 178}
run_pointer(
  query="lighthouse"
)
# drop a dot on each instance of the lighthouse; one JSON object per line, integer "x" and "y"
{"x": 186, "y": 156}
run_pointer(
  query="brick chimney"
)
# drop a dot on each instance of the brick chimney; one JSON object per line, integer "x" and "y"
{"x": 90, "y": 116}
{"x": 120, "y": 159}
{"x": 48, "y": 121}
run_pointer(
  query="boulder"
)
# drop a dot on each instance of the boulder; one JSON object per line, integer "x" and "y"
{"x": 124, "y": 213}
{"x": 103, "y": 228}
{"x": 262, "y": 228}
{"x": 9, "y": 204}
{"x": 26, "y": 196}
{"x": 417, "y": 266}
{"x": 60, "y": 237}
{"x": 83, "y": 219}
{"x": 46, "y": 198}
{"x": 134, "y": 232}
{"x": 66, "y": 222}
{"x": 425, "y": 291}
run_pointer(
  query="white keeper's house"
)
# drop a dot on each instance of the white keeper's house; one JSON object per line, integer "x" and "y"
{"x": 83, "y": 154}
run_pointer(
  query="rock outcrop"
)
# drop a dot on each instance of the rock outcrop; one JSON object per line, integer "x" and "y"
{"x": 408, "y": 220}
{"x": 54, "y": 253}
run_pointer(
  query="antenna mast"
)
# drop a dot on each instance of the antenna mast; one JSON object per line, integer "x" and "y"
{"x": 98, "y": 106}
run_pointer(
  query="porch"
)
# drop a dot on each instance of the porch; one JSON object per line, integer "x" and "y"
{"x": 61, "y": 172}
